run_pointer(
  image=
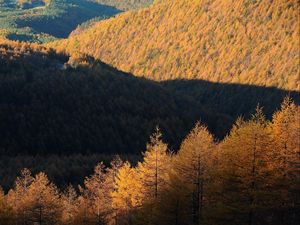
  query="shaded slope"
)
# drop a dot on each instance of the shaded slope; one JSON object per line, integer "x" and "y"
{"x": 47, "y": 106}
{"x": 50, "y": 103}
{"x": 244, "y": 41}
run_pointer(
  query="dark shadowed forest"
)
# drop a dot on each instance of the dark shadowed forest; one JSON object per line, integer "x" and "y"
{"x": 205, "y": 182}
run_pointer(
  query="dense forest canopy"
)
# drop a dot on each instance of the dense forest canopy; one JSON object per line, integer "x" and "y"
{"x": 204, "y": 183}
{"x": 81, "y": 109}
{"x": 236, "y": 41}
{"x": 50, "y": 103}
{"x": 188, "y": 111}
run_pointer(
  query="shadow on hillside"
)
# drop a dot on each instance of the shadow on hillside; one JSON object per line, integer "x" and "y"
{"x": 63, "y": 24}
{"x": 232, "y": 99}
{"x": 48, "y": 107}
{"x": 51, "y": 110}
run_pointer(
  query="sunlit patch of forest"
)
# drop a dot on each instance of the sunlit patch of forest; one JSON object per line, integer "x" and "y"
{"x": 205, "y": 182}
{"x": 244, "y": 41}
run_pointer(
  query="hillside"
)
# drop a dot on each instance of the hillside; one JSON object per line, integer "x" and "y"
{"x": 50, "y": 103}
{"x": 125, "y": 4}
{"x": 242, "y": 42}
{"x": 43, "y": 21}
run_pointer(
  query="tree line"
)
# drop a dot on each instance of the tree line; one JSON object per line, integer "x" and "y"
{"x": 250, "y": 177}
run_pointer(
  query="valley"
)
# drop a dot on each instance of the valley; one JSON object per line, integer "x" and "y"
{"x": 44, "y": 21}
{"x": 142, "y": 112}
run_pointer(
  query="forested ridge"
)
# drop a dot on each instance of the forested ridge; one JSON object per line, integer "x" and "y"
{"x": 180, "y": 112}
{"x": 243, "y": 42}
{"x": 77, "y": 108}
{"x": 206, "y": 182}
{"x": 54, "y": 103}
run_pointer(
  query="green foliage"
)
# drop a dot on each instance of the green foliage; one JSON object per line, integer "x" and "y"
{"x": 44, "y": 21}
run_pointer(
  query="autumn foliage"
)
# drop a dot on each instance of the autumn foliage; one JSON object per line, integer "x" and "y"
{"x": 244, "y": 41}
{"x": 251, "y": 177}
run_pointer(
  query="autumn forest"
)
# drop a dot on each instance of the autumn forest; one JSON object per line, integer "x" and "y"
{"x": 205, "y": 181}
{"x": 149, "y": 112}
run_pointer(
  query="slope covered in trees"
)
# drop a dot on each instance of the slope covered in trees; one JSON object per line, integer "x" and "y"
{"x": 42, "y": 21}
{"x": 56, "y": 108}
{"x": 125, "y": 4}
{"x": 206, "y": 182}
{"x": 244, "y": 41}
{"x": 50, "y": 103}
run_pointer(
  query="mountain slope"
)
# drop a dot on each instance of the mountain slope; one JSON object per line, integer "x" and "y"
{"x": 125, "y": 4}
{"x": 234, "y": 41}
{"x": 50, "y": 103}
{"x": 37, "y": 21}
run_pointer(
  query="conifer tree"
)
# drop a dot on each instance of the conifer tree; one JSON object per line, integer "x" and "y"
{"x": 153, "y": 175}
{"x": 109, "y": 186}
{"x": 126, "y": 196}
{"x": 43, "y": 201}
{"x": 244, "y": 176}
{"x": 94, "y": 196}
{"x": 70, "y": 205}
{"x": 285, "y": 135}
{"x": 17, "y": 196}
{"x": 192, "y": 165}
{"x": 6, "y": 212}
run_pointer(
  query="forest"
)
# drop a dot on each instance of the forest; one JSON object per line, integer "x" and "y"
{"x": 234, "y": 41}
{"x": 42, "y": 21}
{"x": 149, "y": 112}
{"x": 55, "y": 106}
{"x": 205, "y": 182}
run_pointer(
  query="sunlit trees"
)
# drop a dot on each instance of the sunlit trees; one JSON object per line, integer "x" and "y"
{"x": 249, "y": 178}
{"x": 244, "y": 170}
{"x": 43, "y": 201}
{"x": 70, "y": 205}
{"x": 109, "y": 186}
{"x": 35, "y": 199}
{"x": 127, "y": 196}
{"x": 225, "y": 49}
{"x": 154, "y": 175}
{"x": 192, "y": 166}
{"x": 17, "y": 196}
{"x": 285, "y": 135}
{"x": 6, "y": 212}
{"x": 93, "y": 195}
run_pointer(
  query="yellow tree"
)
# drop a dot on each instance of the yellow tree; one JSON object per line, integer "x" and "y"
{"x": 243, "y": 163}
{"x": 43, "y": 201}
{"x": 126, "y": 197}
{"x": 16, "y": 196}
{"x": 6, "y": 212}
{"x": 109, "y": 186}
{"x": 70, "y": 205}
{"x": 153, "y": 175}
{"x": 285, "y": 135}
{"x": 191, "y": 167}
{"x": 94, "y": 196}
